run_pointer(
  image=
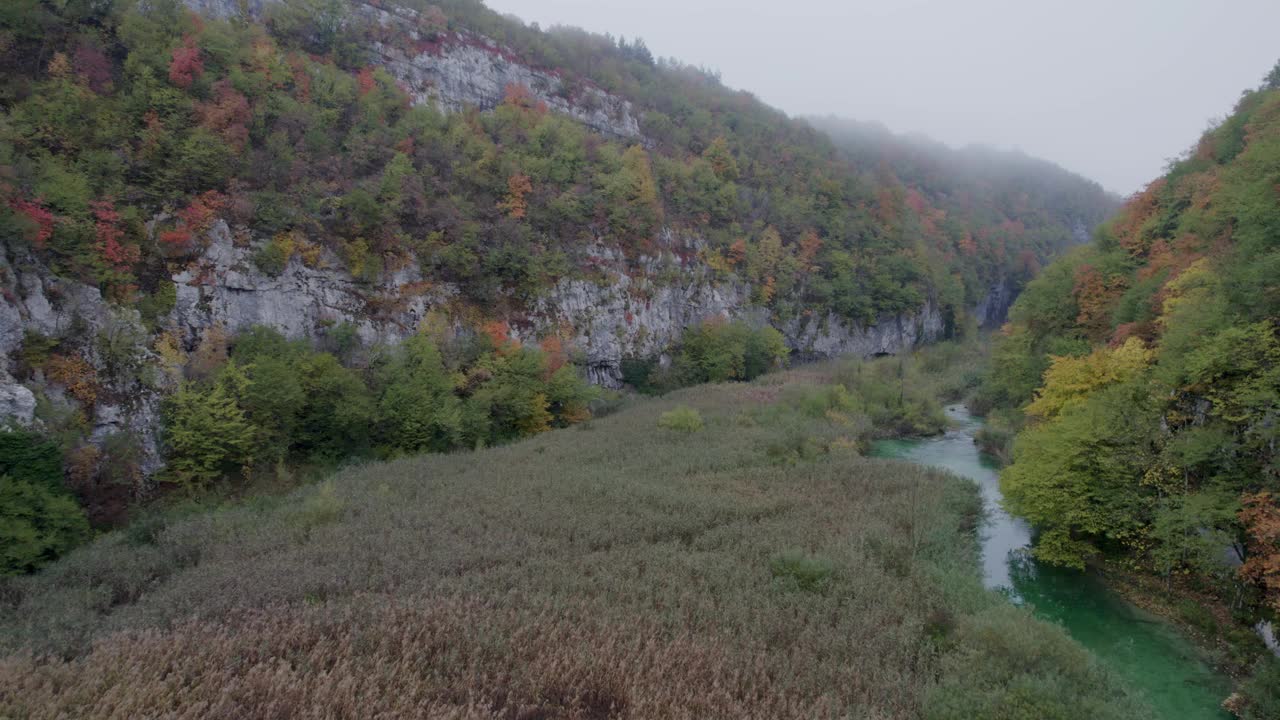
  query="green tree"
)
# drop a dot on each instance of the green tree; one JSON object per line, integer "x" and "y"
{"x": 206, "y": 432}
{"x": 513, "y": 401}
{"x": 1077, "y": 477}
{"x": 632, "y": 194}
{"x": 273, "y": 402}
{"x": 39, "y": 518}
{"x": 418, "y": 408}
{"x": 335, "y": 419}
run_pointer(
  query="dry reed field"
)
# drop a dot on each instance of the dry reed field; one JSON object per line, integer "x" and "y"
{"x": 757, "y": 567}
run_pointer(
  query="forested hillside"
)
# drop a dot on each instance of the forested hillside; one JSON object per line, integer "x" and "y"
{"x": 1148, "y": 368}
{"x": 221, "y": 220}
{"x": 981, "y": 193}
{"x": 120, "y": 115}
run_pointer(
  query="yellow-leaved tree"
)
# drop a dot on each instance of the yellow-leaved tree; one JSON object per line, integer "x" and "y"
{"x": 1070, "y": 380}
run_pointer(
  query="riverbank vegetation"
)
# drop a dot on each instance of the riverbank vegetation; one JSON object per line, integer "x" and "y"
{"x": 1144, "y": 373}
{"x": 256, "y": 405}
{"x": 615, "y": 568}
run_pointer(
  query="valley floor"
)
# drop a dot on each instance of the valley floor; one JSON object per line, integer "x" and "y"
{"x": 757, "y": 567}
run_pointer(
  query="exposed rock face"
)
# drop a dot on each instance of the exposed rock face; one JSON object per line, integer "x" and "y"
{"x": 224, "y": 288}
{"x": 822, "y": 337}
{"x": 635, "y": 308}
{"x": 993, "y": 310}
{"x": 467, "y": 71}
{"x": 628, "y": 314}
{"x": 625, "y": 311}
{"x": 454, "y": 70}
{"x": 17, "y": 403}
{"x": 225, "y": 9}
{"x": 34, "y": 300}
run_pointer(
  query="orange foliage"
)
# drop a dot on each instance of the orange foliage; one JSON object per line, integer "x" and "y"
{"x": 198, "y": 215}
{"x": 59, "y": 66}
{"x": 227, "y": 115}
{"x": 515, "y": 204}
{"x": 1135, "y": 213}
{"x": 886, "y": 209}
{"x": 499, "y": 333}
{"x": 108, "y": 234}
{"x": 178, "y": 238}
{"x": 809, "y": 245}
{"x": 517, "y": 95}
{"x": 364, "y": 81}
{"x": 1028, "y": 264}
{"x": 1124, "y": 331}
{"x": 38, "y": 215}
{"x": 737, "y": 252}
{"x": 1261, "y": 519}
{"x": 76, "y": 375}
{"x": 1096, "y": 296}
{"x": 301, "y": 76}
{"x": 555, "y": 354}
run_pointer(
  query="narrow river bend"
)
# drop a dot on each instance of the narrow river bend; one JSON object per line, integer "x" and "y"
{"x": 1145, "y": 652}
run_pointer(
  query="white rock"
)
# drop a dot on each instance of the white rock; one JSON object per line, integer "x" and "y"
{"x": 17, "y": 403}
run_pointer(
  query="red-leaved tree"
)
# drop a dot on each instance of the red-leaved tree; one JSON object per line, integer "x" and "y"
{"x": 38, "y": 215}
{"x": 106, "y": 227}
{"x": 226, "y": 115}
{"x": 186, "y": 66}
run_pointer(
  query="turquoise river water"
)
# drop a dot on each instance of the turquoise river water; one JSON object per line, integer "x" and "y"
{"x": 1145, "y": 652}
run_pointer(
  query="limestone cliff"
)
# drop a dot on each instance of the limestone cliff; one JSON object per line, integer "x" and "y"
{"x": 458, "y": 69}
{"x": 622, "y": 307}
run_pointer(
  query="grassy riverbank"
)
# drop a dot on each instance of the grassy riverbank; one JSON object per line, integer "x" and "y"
{"x": 757, "y": 567}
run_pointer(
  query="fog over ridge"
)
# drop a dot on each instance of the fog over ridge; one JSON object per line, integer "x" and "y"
{"x": 1108, "y": 90}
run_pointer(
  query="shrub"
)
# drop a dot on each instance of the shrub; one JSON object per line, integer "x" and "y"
{"x": 682, "y": 419}
{"x": 796, "y": 570}
{"x": 1260, "y": 692}
{"x": 157, "y": 305}
{"x": 335, "y": 419}
{"x": 321, "y": 508}
{"x": 273, "y": 257}
{"x": 718, "y": 351}
{"x": 76, "y": 375}
{"x": 36, "y": 348}
{"x": 418, "y": 410}
{"x": 1006, "y": 664}
{"x": 639, "y": 373}
{"x": 1197, "y": 616}
{"x": 39, "y": 519}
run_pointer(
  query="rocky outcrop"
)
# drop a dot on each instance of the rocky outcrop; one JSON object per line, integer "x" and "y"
{"x": 110, "y": 339}
{"x": 627, "y": 307}
{"x": 823, "y": 336}
{"x": 993, "y": 310}
{"x": 626, "y": 312}
{"x": 455, "y": 70}
{"x": 224, "y": 288}
{"x": 17, "y": 403}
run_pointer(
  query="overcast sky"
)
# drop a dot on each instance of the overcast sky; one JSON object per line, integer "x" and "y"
{"x": 1110, "y": 89}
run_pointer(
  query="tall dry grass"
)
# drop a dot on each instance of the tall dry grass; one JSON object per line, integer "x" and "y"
{"x": 609, "y": 570}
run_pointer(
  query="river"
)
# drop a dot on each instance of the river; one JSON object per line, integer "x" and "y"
{"x": 1144, "y": 651}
